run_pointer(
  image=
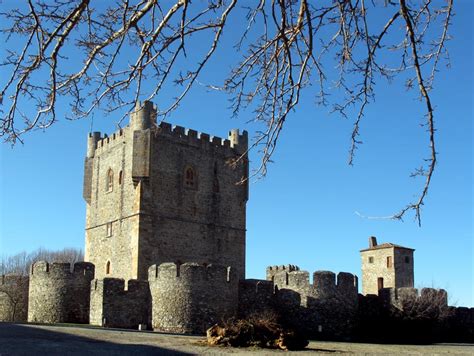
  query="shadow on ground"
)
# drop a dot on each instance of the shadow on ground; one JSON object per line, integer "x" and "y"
{"x": 17, "y": 339}
{"x": 327, "y": 351}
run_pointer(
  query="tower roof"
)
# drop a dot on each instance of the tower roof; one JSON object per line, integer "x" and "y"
{"x": 386, "y": 245}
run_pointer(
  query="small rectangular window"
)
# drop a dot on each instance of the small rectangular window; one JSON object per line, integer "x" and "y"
{"x": 109, "y": 229}
{"x": 371, "y": 260}
{"x": 407, "y": 259}
{"x": 389, "y": 262}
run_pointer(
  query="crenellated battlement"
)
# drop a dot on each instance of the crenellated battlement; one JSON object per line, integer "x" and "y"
{"x": 118, "y": 285}
{"x": 324, "y": 282}
{"x": 98, "y": 143}
{"x": 84, "y": 269}
{"x": 106, "y": 140}
{"x": 273, "y": 270}
{"x": 112, "y": 285}
{"x": 400, "y": 296}
{"x": 327, "y": 305}
{"x": 191, "y": 272}
{"x": 116, "y": 303}
{"x": 288, "y": 268}
{"x": 235, "y": 140}
{"x": 144, "y": 118}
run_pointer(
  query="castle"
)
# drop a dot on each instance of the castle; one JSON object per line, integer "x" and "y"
{"x": 165, "y": 245}
{"x": 159, "y": 194}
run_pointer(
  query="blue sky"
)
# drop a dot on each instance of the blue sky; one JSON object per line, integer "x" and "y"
{"x": 304, "y": 211}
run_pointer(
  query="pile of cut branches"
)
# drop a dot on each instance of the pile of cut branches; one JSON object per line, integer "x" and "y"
{"x": 258, "y": 331}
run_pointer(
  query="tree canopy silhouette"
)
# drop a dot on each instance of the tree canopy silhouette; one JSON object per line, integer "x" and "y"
{"x": 283, "y": 50}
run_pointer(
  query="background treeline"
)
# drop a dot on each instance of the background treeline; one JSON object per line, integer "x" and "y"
{"x": 20, "y": 263}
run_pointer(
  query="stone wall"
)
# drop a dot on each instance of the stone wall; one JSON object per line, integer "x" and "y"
{"x": 204, "y": 223}
{"x": 119, "y": 207}
{"x": 398, "y": 274}
{"x": 14, "y": 298}
{"x": 113, "y": 305}
{"x": 399, "y": 297}
{"x": 325, "y": 309}
{"x": 460, "y": 325}
{"x": 408, "y": 315}
{"x": 58, "y": 294}
{"x": 404, "y": 268}
{"x": 256, "y": 297}
{"x": 374, "y": 266}
{"x": 189, "y": 298}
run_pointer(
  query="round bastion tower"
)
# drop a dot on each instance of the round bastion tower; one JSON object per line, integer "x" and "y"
{"x": 58, "y": 294}
{"x": 190, "y": 297}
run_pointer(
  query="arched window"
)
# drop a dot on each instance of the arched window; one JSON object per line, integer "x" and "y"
{"x": 109, "y": 183}
{"x": 120, "y": 177}
{"x": 107, "y": 268}
{"x": 190, "y": 178}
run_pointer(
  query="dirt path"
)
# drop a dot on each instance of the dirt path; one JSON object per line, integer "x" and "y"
{"x": 41, "y": 340}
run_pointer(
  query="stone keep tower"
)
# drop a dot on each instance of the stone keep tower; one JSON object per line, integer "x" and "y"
{"x": 159, "y": 194}
{"x": 386, "y": 266}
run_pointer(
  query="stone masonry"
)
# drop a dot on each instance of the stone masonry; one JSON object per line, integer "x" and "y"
{"x": 114, "y": 304}
{"x": 58, "y": 294}
{"x": 400, "y": 296}
{"x": 322, "y": 309}
{"x": 189, "y": 298}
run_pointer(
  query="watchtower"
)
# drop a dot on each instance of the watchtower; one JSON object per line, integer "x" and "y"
{"x": 157, "y": 194}
{"x": 386, "y": 266}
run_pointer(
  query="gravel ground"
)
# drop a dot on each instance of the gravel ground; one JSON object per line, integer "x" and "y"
{"x": 23, "y": 339}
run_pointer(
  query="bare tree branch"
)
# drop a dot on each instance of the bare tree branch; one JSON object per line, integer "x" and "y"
{"x": 283, "y": 50}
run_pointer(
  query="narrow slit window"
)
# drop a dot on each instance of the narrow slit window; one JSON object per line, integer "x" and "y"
{"x": 109, "y": 181}
{"x": 120, "y": 177}
{"x": 109, "y": 229}
{"x": 107, "y": 268}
